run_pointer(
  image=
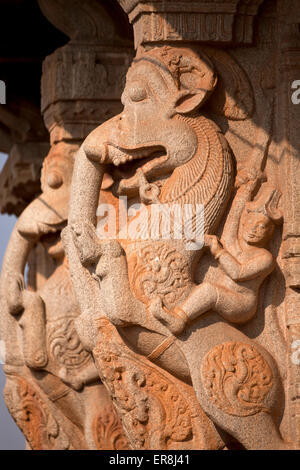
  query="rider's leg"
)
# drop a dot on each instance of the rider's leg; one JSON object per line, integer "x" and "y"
{"x": 201, "y": 299}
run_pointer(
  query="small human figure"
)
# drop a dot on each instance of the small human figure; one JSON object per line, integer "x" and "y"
{"x": 243, "y": 261}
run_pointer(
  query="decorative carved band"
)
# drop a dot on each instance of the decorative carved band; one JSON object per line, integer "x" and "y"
{"x": 205, "y": 21}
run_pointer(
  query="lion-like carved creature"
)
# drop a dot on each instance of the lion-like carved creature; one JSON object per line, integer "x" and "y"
{"x": 45, "y": 360}
{"x": 162, "y": 149}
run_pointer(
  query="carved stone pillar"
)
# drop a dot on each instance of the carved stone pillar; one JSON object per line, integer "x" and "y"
{"x": 167, "y": 324}
{"x": 224, "y": 23}
{"x": 24, "y": 137}
{"x": 288, "y": 136}
{"x": 195, "y": 337}
{"x": 53, "y": 390}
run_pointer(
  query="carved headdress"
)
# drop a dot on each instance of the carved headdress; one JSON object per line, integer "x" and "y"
{"x": 267, "y": 203}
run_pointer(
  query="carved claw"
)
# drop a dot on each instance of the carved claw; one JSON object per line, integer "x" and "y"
{"x": 213, "y": 243}
{"x": 249, "y": 175}
{"x": 33, "y": 327}
{"x": 174, "y": 320}
{"x": 110, "y": 249}
{"x": 69, "y": 379}
{"x": 86, "y": 242}
{"x": 87, "y": 376}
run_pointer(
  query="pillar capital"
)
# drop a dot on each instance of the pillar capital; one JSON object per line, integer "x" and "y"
{"x": 227, "y": 22}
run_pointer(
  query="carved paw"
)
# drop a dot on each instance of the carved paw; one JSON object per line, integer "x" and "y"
{"x": 87, "y": 243}
{"x": 36, "y": 361}
{"x": 212, "y": 242}
{"x": 70, "y": 379}
{"x": 248, "y": 175}
{"x": 110, "y": 250}
{"x": 15, "y": 290}
{"x": 174, "y": 322}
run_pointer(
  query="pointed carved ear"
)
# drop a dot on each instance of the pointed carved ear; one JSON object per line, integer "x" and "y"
{"x": 192, "y": 72}
{"x": 190, "y": 100}
{"x": 195, "y": 78}
{"x": 233, "y": 97}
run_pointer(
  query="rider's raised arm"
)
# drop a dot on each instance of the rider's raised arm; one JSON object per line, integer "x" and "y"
{"x": 263, "y": 263}
{"x": 231, "y": 227}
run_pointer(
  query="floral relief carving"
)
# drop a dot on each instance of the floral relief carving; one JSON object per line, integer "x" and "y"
{"x": 157, "y": 411}
{"x": 158, "y": 271}
{"x": 65, "y": 346}
{"x": 33, "y": 418}
{"x": 237, "y": 378}
{"x": 108, "y": 431}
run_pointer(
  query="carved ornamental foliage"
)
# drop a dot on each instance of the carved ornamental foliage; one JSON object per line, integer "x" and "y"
{"x": 157, "y": 411}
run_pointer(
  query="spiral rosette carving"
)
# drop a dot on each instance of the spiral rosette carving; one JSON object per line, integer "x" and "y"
{"x": 237, "y": 378}
{"x": 65, "y": 346}
{"x": 157, "y": 411}
{"x": 33, "y": 417}
{"x": 108, "y": 432}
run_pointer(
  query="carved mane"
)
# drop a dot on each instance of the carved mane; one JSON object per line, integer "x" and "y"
{"x": 205, "y": 179}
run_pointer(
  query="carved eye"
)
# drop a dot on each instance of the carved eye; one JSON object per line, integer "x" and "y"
{"x": 54, "y": 180}
{"x": 137, "y": 93}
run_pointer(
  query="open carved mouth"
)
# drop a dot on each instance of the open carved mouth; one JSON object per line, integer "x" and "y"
{"x": 50, "y": 230}
{"x": 51, "y": 234}
{"x": 128, "y": 169}
{"x": 52, "y": 240}
{"x": 150, "y": 161}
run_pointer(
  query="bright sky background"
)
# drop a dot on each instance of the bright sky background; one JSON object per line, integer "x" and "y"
{"x": 10, "y": 436}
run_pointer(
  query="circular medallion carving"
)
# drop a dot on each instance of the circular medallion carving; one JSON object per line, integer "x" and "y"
{"x": 237, "y": 378}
